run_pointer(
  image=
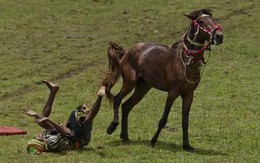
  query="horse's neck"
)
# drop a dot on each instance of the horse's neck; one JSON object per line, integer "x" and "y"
{"x": 192, "y": 69}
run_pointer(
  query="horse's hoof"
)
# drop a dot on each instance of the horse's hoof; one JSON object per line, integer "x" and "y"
{"x": 188, "y": 148}
{"x": 112, "y": 127}
{"x": 126, "y": 141}
{"x": 153, "y": 143}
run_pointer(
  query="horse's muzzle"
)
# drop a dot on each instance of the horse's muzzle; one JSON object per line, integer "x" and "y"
{"x": 218, "y": 38}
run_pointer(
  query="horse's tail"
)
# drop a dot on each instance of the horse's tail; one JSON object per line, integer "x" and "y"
{"x": 114, "y": 54}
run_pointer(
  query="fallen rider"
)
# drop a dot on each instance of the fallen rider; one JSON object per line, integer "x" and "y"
{"x": 57, "y": 137}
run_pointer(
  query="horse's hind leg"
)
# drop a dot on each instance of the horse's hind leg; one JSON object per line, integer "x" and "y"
{"x": 170, "y": 99}
{"x": 140, "y": 90}
{"x": 127, "y": 87}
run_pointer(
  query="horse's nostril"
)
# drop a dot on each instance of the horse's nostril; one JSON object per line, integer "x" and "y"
{"x": 218, "y": 39}
{"x": 219, "y": 36}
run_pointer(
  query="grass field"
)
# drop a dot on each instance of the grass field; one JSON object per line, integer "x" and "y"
{"x": 65, "y": 41}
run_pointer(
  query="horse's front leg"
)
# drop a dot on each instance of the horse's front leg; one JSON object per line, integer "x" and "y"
{"x": 170, "y": 99}
{"x": 186, "y": 105}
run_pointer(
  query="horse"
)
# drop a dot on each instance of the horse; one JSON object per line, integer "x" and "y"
{"x": 175, "y": 69}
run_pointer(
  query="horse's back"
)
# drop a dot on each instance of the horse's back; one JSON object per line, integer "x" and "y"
{"x": 146, "y": 47}
{"x": 146, "y": 50}
{"x": 155, "y": 63}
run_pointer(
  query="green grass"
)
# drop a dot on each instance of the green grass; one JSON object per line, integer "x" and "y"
{"x": 66, "y": 41}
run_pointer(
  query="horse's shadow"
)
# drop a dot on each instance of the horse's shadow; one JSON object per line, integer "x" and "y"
{"x": 168, "y": 146}
{"x": 159, "y": 145}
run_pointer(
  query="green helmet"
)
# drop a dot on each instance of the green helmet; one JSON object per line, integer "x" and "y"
{"x": 36, "y": 147}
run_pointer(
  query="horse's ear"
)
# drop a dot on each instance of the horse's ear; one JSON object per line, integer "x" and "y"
{"x": 189, "y": 16}
{"x": 207, "y": 11}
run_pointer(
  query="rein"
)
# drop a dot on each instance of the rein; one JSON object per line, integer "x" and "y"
{"x": 192, "y": 55}
{"x": 193, "y": 59}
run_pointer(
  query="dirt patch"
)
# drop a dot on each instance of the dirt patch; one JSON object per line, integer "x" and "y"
{"x": 243, "y": 11}
{"x": 66, "y": 75}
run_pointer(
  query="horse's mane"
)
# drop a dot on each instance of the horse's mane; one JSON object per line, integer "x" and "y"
{"x": 175, "y": 44}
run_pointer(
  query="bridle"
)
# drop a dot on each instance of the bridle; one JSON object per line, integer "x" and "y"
{"x": 191, "y": 54}
{"x": 208, "y": 32}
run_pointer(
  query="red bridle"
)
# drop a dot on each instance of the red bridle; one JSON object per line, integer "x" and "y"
{"x": 209, "y": 32}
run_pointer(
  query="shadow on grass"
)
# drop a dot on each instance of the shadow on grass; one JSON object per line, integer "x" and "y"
{"x": 96, "y": 150}
{"x": 159, "y": 145}
{"x": 169, "y": 146}
{"x": 103, "y": 153}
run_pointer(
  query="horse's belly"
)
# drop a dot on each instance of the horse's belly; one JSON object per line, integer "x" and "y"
{"x": 168, "y": 82}
{"x": 158, "y": 81}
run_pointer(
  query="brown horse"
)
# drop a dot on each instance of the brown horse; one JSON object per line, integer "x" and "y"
{"x": 174, "y": 69}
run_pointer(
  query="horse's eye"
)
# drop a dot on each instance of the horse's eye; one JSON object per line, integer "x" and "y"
{"x": 200, "y": 21}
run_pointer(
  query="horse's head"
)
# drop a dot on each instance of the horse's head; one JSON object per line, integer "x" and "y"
{"x": 204, "y": 28}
